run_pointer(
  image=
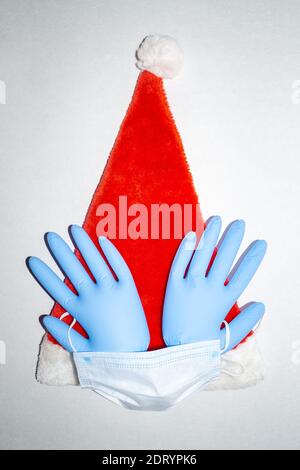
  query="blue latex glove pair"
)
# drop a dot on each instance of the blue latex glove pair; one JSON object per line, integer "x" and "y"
{"x": 110, "y": 310}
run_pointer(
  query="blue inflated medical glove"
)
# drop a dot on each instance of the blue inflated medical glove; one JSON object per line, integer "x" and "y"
{"x": 109, "y": 310}
{"x": 197, "y": 301}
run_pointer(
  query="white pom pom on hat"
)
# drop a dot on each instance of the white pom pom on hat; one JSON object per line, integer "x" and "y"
{"x": 160, "y": 55}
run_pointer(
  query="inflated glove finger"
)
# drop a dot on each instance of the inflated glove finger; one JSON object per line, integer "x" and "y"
{"x": 183, "y": 256}
{"x": 227, "y": 251}
{"x": 91, "y": 254}
{"x": 68, "y": 338}
{"x": 241, "y": 326}
{"x": 68, "y": 262}
{"x": 52, "y": 284}
{"x": 115, "y": 260}
{"x": 246, "y": 268}
{"x": 205, "y": 248}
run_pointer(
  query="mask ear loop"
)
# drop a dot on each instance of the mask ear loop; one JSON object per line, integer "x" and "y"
{"x": 228, "y": 361}
{"x": 227, "y": 337}
{"x": 224, "y": 350}
{"x": 242, "y": 368}
{"x": 64, "y": 315}
{"x": 257, "y": 326}
{"x": 227, "y": 341}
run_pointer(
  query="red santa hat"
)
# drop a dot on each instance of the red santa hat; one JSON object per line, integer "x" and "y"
{"x": 147, "y": 178}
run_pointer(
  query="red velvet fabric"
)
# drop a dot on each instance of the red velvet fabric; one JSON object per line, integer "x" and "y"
{"x": 148, "y": 165}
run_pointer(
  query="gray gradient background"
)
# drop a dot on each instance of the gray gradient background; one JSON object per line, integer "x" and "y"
{"x": 69, "y": 70}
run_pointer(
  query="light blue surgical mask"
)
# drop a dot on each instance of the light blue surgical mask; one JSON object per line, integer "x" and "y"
{"x": 153, "y": 380}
